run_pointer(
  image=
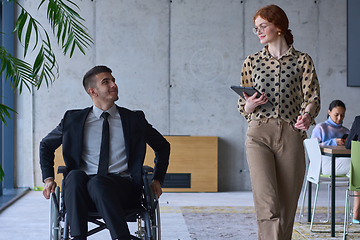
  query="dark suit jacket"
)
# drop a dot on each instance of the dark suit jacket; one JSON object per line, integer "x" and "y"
{"x": 354, "y": 132}
{"x": 137, "y": 132}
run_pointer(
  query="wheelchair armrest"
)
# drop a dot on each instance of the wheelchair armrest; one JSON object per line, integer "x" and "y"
{"x": 147, "y": 169}
{"x": 62, "y": 169}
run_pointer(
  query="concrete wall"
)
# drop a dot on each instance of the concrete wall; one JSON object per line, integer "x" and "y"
{"x": 176, "y": 61}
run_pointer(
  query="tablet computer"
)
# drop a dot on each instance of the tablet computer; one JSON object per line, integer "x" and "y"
{"x": 249, "y": 91}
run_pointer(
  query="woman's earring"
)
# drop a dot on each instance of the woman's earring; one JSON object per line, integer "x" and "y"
{"x": 279, "y": 33}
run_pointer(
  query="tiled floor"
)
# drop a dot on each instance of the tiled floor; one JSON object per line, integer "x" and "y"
{"x": 11, "y": 195}
{"x": 223, "y": 215}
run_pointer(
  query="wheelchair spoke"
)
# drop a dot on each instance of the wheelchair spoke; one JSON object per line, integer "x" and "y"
{"x": 54, "y": 215}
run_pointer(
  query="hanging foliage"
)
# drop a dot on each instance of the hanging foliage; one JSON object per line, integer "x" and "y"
{"x": 70, "y": 32}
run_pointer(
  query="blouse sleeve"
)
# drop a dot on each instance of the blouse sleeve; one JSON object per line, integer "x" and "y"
{"x": 310, "y": 87}
{"x": 246, "y": 81}
{"x": 317, "y": 133}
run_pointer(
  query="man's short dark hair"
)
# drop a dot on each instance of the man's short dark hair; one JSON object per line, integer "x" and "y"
{"x": 88, "y": 80}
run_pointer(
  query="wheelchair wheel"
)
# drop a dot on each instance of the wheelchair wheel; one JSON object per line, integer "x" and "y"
{"x": 54, "y": 218}
{"x": 155, "y": 220}
{"x": 149, "y": 227}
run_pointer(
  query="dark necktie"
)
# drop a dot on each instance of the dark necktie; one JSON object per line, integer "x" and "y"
{"x": 104, "y": 149}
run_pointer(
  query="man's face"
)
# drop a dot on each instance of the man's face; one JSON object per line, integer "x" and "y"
{"x": 106, "y": 88}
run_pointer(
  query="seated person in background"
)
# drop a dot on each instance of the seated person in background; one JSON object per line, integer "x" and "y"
{"x": 354, "y": 132}
{"x": 330, "y": 133}
{"x": 104, "y": 148}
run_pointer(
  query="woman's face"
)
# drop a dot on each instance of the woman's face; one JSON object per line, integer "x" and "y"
{"x": 337, "y": 114}
{"x": 266, "y": 31}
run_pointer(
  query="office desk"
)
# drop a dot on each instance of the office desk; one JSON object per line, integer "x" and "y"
{"x": 334, "y": 152}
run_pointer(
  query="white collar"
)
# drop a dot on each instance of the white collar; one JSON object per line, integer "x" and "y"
{"x": 112, "y": 111}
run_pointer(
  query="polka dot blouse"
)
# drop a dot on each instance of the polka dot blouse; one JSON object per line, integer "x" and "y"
{"x": 290, "y": 83}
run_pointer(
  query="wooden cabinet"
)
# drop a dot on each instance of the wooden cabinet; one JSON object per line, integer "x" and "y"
{"x": 194, "y": 155}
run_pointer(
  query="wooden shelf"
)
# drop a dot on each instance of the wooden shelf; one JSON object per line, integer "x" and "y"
{"x": 196, "y": 155}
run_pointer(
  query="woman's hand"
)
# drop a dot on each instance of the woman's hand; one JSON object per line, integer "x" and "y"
{"x": 252, "y": 101}
{"x": 303, "y": 122}
{"x": 340, "y": 141}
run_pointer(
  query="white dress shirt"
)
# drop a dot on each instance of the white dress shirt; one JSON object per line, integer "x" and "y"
{"x": 92, "y": 142}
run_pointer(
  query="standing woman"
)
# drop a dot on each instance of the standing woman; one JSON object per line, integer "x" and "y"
{"x": 274, "y": 143}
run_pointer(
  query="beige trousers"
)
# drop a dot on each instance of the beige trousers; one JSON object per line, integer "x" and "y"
{"x": 276, "y": 161}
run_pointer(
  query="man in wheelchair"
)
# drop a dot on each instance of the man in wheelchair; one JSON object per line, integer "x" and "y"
{"x": 103, "y": 148}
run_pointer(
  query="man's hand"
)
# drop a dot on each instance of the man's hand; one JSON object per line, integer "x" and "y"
{"x": 156, "y": 187}
{"x": 49, "y": 187}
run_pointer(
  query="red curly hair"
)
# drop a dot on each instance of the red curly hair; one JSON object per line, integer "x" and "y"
{"x": 275, "y": 15}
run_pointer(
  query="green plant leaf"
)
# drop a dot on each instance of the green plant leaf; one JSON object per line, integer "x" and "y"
{"x": 5, "y": 112}
{"x": 28, "y": 35}
{"x": 20, "y": 23}
{"x": 2, "y": 174}
{"x": 36, "y": 35}
{"x": 17, "y": 71}
{"x": 38, "y": 61}
{"x": 41, "y": 3}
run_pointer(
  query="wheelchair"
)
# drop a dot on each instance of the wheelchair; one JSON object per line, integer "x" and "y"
{"x": 147, "y": 215}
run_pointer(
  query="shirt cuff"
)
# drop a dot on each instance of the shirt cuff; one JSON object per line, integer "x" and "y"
{"x": 47, "y": 179}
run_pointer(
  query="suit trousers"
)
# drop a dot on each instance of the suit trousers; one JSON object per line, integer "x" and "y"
{"x": 106, "y": 194}
{"x": 276, "y": 159}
